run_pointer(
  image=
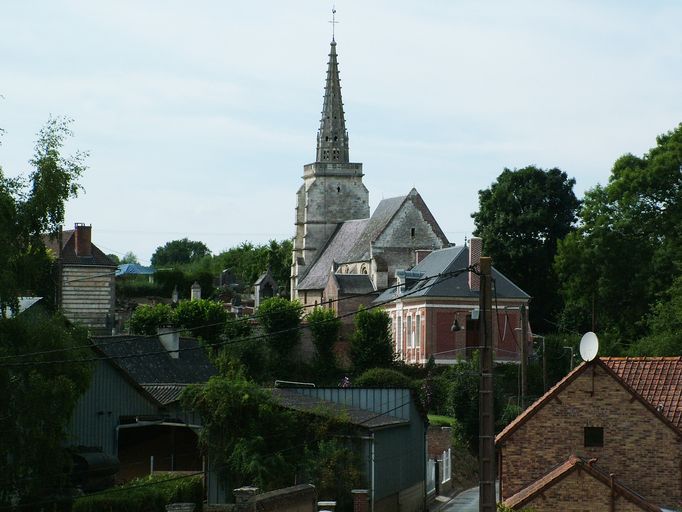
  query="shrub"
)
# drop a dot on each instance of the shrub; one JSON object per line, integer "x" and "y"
{"x": 281, "y": 318}
{"x": 150, "y": 494}
{"x": 325, "y": 327}
{"x": 146, "y": 319}
{"x": 204, "y": 318}
{"x": 383, "y": 378}
{"x": 371, "y": 345}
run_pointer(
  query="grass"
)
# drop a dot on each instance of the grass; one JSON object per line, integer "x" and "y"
{"x": 442, "y": 421}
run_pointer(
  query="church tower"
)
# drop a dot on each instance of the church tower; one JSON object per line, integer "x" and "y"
{"x": 332, "y": 190}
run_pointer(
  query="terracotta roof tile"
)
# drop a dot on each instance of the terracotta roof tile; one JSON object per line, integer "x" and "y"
{"x": 657, "y": 379}
{"x": 575, "y": 463}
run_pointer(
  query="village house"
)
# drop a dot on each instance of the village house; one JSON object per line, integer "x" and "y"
{"x": 435, "y": 311}
{"x": 608, "y": 434}
{"x": 131, "y": 411}
{"x": 87, "y": 289}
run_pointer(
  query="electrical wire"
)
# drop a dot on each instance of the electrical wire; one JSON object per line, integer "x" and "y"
{"x": 443, "y": 276}
{"x": 203, "y": 326}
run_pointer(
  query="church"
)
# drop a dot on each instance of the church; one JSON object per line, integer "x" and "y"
{"x": 339, "y": 249}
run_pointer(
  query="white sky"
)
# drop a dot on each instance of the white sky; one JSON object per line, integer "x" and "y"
{"x": 199, "y": 116}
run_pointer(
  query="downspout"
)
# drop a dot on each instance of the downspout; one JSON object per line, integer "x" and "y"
{"x": 372, "y": 473}
{"x": 612, "y": 504}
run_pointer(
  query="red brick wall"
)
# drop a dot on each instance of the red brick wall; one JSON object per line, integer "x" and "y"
{"x": 642, "y": 451}
{"x": 438, "y": 440}
{"x": 578, "y": 492}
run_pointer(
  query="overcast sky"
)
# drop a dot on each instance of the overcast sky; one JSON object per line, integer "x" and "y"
{"x": 199, "y": 116}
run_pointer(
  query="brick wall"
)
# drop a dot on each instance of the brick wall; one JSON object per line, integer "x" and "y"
{"x": 438, "y": 440}
{"x": 299, "y": 498}
{"x": 642, "y": 451}
{"x": 578, "y": 492}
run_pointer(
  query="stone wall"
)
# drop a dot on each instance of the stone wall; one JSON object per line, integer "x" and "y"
{"x": 639, "y": 448}
{"x": 299, "y": 498}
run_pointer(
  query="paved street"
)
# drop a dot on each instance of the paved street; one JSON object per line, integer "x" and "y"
{"x": 466, "y": 501}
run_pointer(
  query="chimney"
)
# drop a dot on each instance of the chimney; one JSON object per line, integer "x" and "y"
{"x": 243, "y": 495}
{"x": 83, "y": 236}
{"x": 420, "y": 254}
{"x": 170, "y": 339}
{"x": 195, "y": 291}
{"x": 475, "y": 251}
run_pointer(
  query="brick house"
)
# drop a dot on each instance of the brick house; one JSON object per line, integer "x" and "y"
{"x": 623, "y": 414}
{"x": 424, "y": 315}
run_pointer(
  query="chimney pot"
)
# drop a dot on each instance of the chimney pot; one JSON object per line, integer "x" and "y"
{"x": 83, "y": 237}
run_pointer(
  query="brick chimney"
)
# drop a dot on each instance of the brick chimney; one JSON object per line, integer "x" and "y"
{"x": 83, "y": 236}
{"x": 475, "y": 251}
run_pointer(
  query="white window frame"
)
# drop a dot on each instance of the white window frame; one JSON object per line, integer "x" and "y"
{"x": 410, "y": 332}
{"x": 399, "y": 333}
{"x": 418, "y": 331}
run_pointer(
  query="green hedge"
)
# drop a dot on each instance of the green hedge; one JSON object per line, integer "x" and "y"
{"x": 150, "y": 494}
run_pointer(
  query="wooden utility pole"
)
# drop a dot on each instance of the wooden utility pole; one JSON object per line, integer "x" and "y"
{"x": 524, "y": 355}
{"x": 486, "y": 412}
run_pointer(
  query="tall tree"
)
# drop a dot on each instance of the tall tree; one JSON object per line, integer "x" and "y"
{"x": 371, "y": 345}
{"x": 36, "y": 400}
{"x": 179, "y": 252}
{"x": 521, "y": 217}
{"x": 627, "y": 247}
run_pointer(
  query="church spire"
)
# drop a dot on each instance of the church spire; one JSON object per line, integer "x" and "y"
{"x": 332, "y": 137}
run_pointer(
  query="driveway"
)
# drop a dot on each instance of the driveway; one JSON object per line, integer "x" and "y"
{"x": 466, "y": 501}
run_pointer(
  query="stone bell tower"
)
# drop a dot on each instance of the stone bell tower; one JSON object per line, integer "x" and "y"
{"x": 332, "y": 191}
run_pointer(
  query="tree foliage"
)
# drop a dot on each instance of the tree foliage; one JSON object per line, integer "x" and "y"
{"x": 521, "y": 218}
{"x": 383, "y": 378}
{"x": 371, "y": 345}
{"x": 179, "y": 252}
{"x": 36, "y": 404}
{"x": 281, "y": 321}
{"x": 32, "y": 206}
{"x": 248, "y": 261}
{"x": 325, "y": 327}
{"x": 627, "y": 245}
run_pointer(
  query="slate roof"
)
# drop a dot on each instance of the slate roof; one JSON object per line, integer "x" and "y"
{"x": 657, "y": 379}
{"x": 448, "y": 260}
{"x": 354, "y": 283}
{"x": 98, "y": 258}
{"x": 359, "y": 417}
{"x": 572, "y": 464}
{"x": 335, "y": 250}
{"x": 146, "y": 361}
{"x": 563, "y": 383}
{"x": 382, "y": 215}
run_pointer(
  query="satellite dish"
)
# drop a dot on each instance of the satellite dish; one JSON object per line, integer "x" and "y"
{"x": 589, "y": 346}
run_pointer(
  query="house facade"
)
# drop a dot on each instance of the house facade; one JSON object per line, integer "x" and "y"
{"x": 624, "y": 415}
{"x": 435, "y": 311}
{"x": 87, "y": 286}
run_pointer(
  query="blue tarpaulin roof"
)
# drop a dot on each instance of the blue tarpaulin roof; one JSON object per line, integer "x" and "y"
{"x": 129, "y": 269}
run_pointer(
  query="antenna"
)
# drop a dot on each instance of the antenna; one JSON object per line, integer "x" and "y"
{"x": 589, "y": 346}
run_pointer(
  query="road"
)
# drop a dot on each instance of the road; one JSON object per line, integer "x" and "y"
{"x": 466, "y": 501}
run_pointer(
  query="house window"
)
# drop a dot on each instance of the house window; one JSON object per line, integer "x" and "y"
{"x": 418, "y": 331}
{"x": 410, "y": 334}
{"x": 594, "y": 437}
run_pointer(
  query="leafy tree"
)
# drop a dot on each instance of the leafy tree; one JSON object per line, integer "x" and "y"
{"x": 665, "y": 325}
{"x": 147, "y": 318}
{"x": 179, "y": 252}
{"x": 371, "y": 345}
{"x": 281, "y": 320}
{"x": 249, "y": 261}
{"x": 204, "y": 318}
{"x": 129, "y": 257}
{"x": 334, "y": 468}
{"x": 627, "y": 245}
{"x": 37, "y": 402}
{"x": 325, "y": 327}
{"x": 34, "y": 206}
{"x": 248, "y": 434}
{"x": 521, "y": 218}
{"x": 250, "y": 354}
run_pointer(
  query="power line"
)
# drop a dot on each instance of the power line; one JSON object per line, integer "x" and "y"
{"x": 442, "y": 277}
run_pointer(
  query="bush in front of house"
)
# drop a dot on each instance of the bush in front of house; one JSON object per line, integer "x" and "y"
{"x": 149, "y": 494}
{"x": 383, "y": 378}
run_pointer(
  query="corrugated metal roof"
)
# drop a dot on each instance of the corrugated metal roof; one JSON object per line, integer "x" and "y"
{"x": 360, "y": 417}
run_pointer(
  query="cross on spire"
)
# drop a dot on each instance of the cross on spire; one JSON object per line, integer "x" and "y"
{"x": 333, "y": 21}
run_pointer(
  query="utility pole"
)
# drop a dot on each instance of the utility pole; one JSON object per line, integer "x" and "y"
{"x": 486, "y": 414}
{"x": 524, "y": 356}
